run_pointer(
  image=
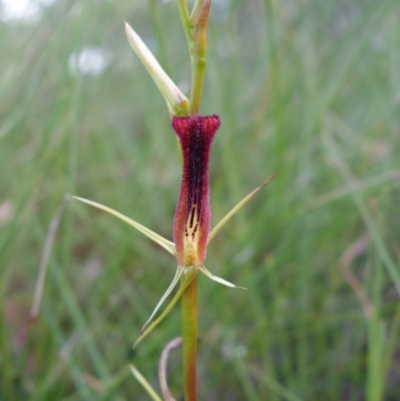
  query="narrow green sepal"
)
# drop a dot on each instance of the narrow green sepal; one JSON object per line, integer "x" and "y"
{"x": 168, "y": 245}
{"x": 231, "y": 213}
{"x": 188, "y": 276}
{"x": 174, "y": 282}
{"x": 219, "y": 279}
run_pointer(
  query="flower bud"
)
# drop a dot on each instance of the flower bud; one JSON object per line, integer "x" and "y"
{"x": 177, "y": 102}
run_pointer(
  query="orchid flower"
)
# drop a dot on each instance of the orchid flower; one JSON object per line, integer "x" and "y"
{"x": 192, "y": 217}
{"x": 191, "y": 227}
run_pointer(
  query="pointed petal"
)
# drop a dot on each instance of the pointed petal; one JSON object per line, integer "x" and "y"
{"x": 175, "y": 280}
{"x": 219, "y": 279}
{"x": 187, "y": 280}
{"x": 146, "y": 385}
{"x": 227, "y": 217}
{"x": 168, "y": 245}
{"x": 177, "y": 103}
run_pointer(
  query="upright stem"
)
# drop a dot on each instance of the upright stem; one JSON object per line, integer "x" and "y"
{"x": 198, "y": 52}
{"x": 185, "y": 18}
{"x": 195, "y": 27}
{"x": 195, "y": 8}
{"x": 190, "y": 336}
{"x": 198, "y": 69}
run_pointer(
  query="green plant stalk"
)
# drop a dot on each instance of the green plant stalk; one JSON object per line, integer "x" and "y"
{"x": 186, "y": 21}
{"x": 198, "y": 52}
{"x": 195, "y": 28}
{"x": 198, "y": 69}
{"x": 196, "y": 7}
{"x": 189, "y": 334}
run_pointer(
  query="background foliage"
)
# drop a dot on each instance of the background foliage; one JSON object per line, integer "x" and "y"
{"x": 308, "y": 88}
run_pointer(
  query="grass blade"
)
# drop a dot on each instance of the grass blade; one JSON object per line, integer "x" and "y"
{"x": 146, "y": 385}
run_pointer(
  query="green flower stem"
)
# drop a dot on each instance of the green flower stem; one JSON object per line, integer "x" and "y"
{"x": 196, "y": 8}
{"x": 198, "y": 69}
{"x": 186, "y": 21}
{"x": 198, "y": 52}
{"x": 195, "y": 28}
{"x": 190, "y": 333}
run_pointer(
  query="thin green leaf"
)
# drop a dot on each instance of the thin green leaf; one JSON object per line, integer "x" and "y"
{"x": 175, "y": 280}
{"x": 225, "y": 219}
{"x": 168, "y": 245}
{"x": 187, "y": 280}
{"x": 146, "y": 385}
{"x": 218, "y": 279}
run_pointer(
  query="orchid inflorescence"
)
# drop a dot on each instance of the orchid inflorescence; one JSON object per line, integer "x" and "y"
{"x": 195, "y": 134}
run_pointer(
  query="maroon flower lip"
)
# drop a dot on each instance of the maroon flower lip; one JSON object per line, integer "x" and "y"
{"x": 193, "y": 214}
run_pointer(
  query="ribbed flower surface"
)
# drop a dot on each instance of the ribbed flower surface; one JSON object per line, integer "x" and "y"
{"x": 192, "y": 217}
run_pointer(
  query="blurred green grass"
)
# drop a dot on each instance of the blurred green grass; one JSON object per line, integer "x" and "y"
{"x": 310, "y": 89}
